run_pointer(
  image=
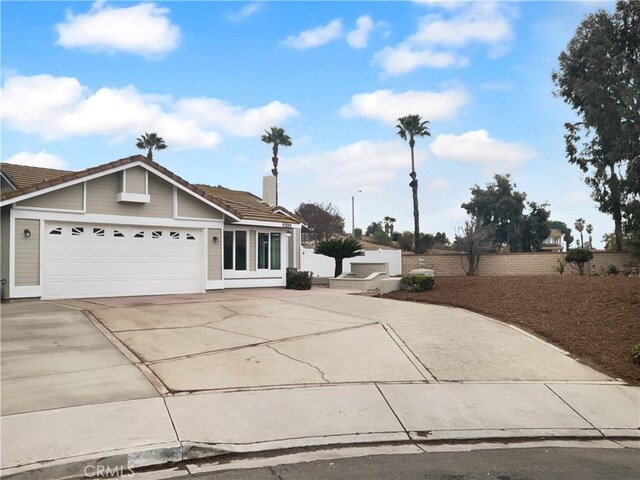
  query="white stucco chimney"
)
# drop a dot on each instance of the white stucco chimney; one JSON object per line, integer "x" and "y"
{"x": 269, "y": 190}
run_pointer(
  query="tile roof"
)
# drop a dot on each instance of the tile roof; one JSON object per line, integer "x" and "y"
{"x": 248, "y": 205}
{"x": 243, "y": 205}
{"x": 23, "y": 176}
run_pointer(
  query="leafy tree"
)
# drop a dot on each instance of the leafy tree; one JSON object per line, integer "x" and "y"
{"x": 357, "y": 233}
{"x": 339, "y": 249}
{"x": 373, "y": 228}
{"x": 473, "y": 239}
{"x": 577, "y": 257}
{"x": 323, "y": 219}
{"x": 566, "y": 231}
{"x": 409, "y": 128}
{"x": 580, "y": 228}
{"x": 500, "y": 206}
{"x": 440, "y": 240}
{"x": 150, "y": 142}
{"x": 276, "y": 137}
{"x": 599, "y": 76}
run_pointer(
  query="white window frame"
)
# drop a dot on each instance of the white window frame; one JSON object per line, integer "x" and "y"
{"x": 269, "y": 268}
{"x": 233, "y": 257}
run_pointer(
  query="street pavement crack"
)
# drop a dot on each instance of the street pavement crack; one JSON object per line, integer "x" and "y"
{"x": 298, "y": 360}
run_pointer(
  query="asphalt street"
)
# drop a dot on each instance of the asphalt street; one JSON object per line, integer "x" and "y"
{"x": 503, "y": 464}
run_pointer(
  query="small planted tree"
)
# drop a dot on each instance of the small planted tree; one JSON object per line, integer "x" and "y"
{"x": 577, "y": 257}
{"x": 473, "y": 239}
{"x": 339, "y": 249}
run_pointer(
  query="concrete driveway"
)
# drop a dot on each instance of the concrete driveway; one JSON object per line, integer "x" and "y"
{"x": 54, "y": 357}
{"x": 264, "y": 338}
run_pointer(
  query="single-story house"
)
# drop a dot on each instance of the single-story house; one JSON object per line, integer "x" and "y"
{"x": 132, "y": 227}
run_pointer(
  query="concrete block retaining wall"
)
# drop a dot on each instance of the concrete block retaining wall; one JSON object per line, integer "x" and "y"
{"x": 491, "y": 264}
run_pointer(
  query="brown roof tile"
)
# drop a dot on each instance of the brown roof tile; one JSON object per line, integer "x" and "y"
{"x": 23, "y": 176}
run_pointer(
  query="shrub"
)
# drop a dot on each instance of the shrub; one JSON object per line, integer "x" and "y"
{"x": 298, "y": 280}
{"x": 577, "y": 257}
{"x": 417, "y": 283}
{"x": 357, "y": 232}
{"x": 612, "y": 269}
{"x": 561, "y": 265}
{"x": 339, "y": 249}
{"x": 635, "y": 353}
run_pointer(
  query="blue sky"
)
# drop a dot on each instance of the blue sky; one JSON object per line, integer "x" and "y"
{"x": 81, "y": 80}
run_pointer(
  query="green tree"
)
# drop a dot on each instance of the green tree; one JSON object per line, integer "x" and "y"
{"x": 388, "y": 225}
{"x": 409, "y": 128}
{"x": 374, "y": 228}
{"x": 276, "y": 137}
{"x": 590, "y": 231}
{"x": 339, "y": 249}
{"x": 150, "y": 142}
{"x": 599, "y": 77}
{"x": 500, "y": 206}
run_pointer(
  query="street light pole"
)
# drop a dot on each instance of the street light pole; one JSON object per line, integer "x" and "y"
{"x": 353, "y": 214}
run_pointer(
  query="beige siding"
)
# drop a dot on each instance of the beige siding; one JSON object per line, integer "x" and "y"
{"x": 252, "y": 250}
{"x": 191, "y": 207}
{"x": 4, "y": 247}
{"x": 27, "y": 263}
{"x": 69, "y": 198}
{"x": 214, "y": 254}
{"x": 102, "y": 192}
{"x": 136, "y": 180}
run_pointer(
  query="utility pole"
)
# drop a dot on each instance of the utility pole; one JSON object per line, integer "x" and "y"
{"x": 353, "y": 214}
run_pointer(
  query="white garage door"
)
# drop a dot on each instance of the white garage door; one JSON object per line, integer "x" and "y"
{"x": 86, "y": 260}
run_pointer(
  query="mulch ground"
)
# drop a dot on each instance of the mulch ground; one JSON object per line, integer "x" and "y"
{"x": 596, "y": 319}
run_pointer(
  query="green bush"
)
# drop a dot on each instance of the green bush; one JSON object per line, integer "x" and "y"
{"x": 417, "y": 283}
{"x": 298, "y": 280}
{"x": 577, "y": 257}
{"x": 560, "y": 266}
{"x": 635, "y": 353}
{"x": 357, "y": 232}
{"x": 612, "y": 269}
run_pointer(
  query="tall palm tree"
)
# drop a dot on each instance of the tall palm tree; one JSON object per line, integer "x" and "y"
{"x": 590, "y": 231}
{"x": 580, "y": 227}
{"x": 276, "y": 137}
{"x": 409, "y": 128}
{"x": 150, "y": 142}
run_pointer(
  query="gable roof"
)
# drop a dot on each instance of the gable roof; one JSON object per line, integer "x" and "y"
{"x": 242, "y": 205}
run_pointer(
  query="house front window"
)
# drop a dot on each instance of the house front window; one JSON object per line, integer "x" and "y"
{"x": 235, "y": 250}
{"x": 269, "y": 251}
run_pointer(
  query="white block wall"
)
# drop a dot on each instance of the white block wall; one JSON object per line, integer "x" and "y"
{"x": 322, "y": 266}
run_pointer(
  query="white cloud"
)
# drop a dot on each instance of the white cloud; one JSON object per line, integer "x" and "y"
{"x": 479, "y": 148}
{"x": 234, "y": 120}
{"x": 315, "y": 37}
{"x": 441, "y": 39}
{"x": 364, "y": 165}
{"x": 359, "y": 37}
{"x": 246, "y": 11}
{"x": 61, "y": 107}
{"x": 405, "y": 58}
{"x": 143, "y": 29}
{"x": 387, "y": 106}
{"x": 41, "y": 159}
{"x": 438, "y": 185}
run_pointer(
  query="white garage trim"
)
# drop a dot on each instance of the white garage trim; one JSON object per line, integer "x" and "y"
{"x": 93, "y": 260}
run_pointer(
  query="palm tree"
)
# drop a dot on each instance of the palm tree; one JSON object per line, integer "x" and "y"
{"x": 580, "y": 227}
{"x": 150, "y": 142}
{"x": 339, "y": 249}
{"x": 410, "y": 127}
{"x": 276, "y": 137}
{"x": 590, "y": 231}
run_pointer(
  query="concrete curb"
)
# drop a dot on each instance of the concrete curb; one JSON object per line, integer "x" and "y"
{"x": 169, "y": 455}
